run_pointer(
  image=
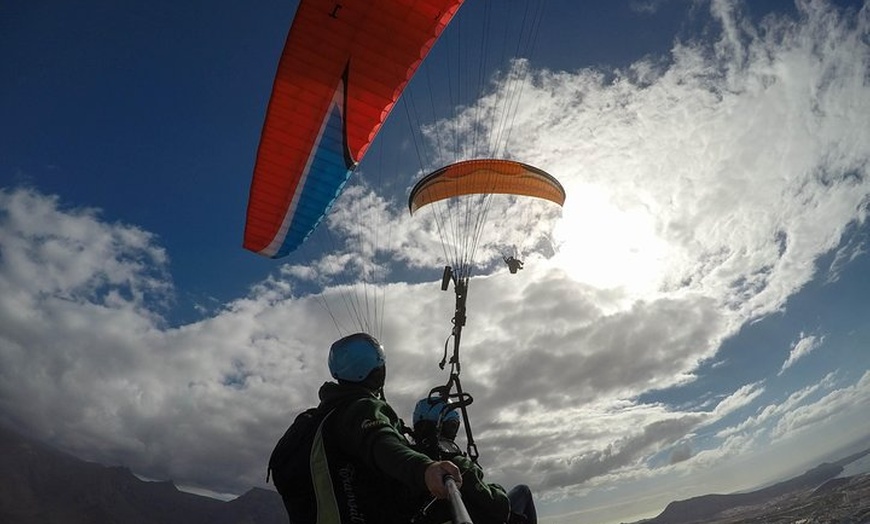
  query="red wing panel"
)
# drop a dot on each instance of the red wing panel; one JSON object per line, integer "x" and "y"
{"x": 343, "y": 67}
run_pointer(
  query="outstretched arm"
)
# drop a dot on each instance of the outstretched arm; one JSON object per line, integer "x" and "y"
{"x": 435, "y": 474}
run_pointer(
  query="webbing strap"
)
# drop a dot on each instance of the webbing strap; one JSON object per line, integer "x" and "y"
{"x": 327, "y": 505}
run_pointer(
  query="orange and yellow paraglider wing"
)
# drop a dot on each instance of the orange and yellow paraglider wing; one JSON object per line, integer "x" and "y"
{"x": 342, "y": 69}
{"x": 485, "y": 176}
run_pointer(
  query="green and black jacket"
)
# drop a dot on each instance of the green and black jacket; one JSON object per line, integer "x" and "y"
{"x": 363, "y": 468}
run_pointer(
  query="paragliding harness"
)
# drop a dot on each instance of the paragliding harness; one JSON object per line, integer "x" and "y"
{"x": 514, "y": 264}
{"x": 290, "y": 463}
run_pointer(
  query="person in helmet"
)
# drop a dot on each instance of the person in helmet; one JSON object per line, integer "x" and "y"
{"x": 436, "y": 424}
{"x": 435, "y": 427}
{"x": 371, "y": 472}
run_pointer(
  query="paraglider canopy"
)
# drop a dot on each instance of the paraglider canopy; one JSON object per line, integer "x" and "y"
{"x": 485, "y": 176}
{"x": 460, "y": 197}
{"x": 343, "y": 67}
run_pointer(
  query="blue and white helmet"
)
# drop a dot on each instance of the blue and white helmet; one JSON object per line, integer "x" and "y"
{"x": 433, "y": 410}
{"x": 354, "y": 357}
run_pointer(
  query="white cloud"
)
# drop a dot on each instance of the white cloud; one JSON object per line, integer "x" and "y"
{"x": 769, "y": 414}
{"x": 740, "y": 398}
{"x": 838, "y": 404}
{"x": 802, "y": 348}
{"x": 48, "y": 253}
{"x": 737, "y": 170}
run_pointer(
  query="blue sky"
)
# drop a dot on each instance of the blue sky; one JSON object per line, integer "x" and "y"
{"x": 693, "y": 320}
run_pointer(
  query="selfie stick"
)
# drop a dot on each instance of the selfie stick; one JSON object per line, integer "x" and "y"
{"x": 457, "y": 507}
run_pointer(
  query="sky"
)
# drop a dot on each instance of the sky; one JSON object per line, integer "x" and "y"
{"x": 692, "y": 320}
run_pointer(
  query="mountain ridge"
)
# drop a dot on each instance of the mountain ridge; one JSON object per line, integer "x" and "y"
{"x": 40, "y": 484}
{"x": 815, "y": 482}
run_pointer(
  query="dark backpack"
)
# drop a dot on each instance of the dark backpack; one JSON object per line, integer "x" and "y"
{"x": 290, "y": 465}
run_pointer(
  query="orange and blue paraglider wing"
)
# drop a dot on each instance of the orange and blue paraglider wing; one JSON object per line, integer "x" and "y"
{"x": 484, "y": 177}
{"x": 342, "y": 69}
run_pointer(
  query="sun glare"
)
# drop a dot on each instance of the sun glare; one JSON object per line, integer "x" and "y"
{"x": 608, "y": 247}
